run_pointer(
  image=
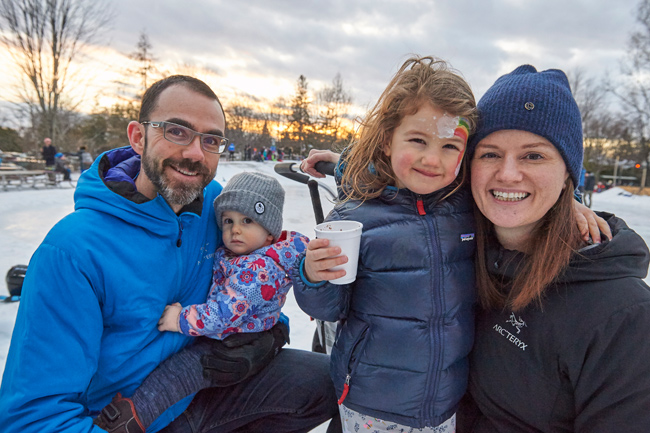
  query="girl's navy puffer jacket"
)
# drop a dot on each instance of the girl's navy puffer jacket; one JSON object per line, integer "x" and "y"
{"x": 407, "y": 321}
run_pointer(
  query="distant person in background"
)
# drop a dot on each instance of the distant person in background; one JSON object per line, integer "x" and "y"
{"x": 61, "y": 165}
{"x": 581, "y": 182}
{"x": 231, "y": 152}
{"x": 257, "y": 155}
{"x": 48, "y": 152}
{"x": 590, "y": 183}
{"x": 85, "y": 159}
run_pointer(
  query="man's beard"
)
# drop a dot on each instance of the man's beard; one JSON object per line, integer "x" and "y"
{"x": 175, "y": 192}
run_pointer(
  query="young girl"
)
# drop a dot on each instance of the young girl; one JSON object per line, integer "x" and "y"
{"x": 400, "y": 359}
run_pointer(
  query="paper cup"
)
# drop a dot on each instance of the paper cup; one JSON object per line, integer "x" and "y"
{"x": 347, "y": 236}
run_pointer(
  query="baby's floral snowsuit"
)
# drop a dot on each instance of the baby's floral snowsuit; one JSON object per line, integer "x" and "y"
{"x": 247, "y": 291}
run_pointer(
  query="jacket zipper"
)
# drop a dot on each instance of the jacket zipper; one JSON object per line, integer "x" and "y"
{"x": 420, "y": 206}
{"x": 351, "y": 368}
{"x": 346, "y": 388}
{"x": 435, "y": 337}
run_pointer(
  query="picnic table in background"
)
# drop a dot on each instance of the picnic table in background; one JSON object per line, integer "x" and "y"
{"x": 20, "y": 177}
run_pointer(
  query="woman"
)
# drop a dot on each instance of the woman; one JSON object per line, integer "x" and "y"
{"x": 562, "y": 335}
{"x": 563, "y": 323}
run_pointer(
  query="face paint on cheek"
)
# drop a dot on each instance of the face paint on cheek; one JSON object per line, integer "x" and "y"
{"x": 459, "y": 162}
{"x": 461, "y": 131}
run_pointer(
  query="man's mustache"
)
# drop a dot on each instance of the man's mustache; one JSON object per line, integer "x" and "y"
{"x": 187, "y": 165}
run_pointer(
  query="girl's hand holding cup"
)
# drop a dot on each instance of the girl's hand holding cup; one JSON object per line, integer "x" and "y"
{"x": 319, "y": 260}
{"x": 334, "y": 252}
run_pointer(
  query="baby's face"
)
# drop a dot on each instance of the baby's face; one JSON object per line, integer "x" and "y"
{"x": 241, "y": 234}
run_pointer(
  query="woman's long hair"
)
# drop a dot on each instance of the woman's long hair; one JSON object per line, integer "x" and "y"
{"x": 552, "y": 244}
{"x": 420, "y": 80}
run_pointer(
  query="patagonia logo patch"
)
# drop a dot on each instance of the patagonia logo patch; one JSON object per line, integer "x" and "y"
{"x": 467, "y": 237}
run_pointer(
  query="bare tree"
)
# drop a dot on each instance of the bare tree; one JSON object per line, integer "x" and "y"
{"x": 334, "y": 103}
{"x": 300, "y": 118}
{"x": 146, "y": 61}
{"x": 103, "y": 129}
{"x": 640, "y": 40}
{"x": 589, "y": 96}
{"x": 597, "y": 122}
{"x": 634, "y": 91}
{"x": 44, "y": 37}
{"x": 240, "y": 122}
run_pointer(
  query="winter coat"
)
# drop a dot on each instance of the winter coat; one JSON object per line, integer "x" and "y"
{"x": 579, "y": 363}
{"x": 590, "y": 183}
{"x": 247, "y": 291}
{"x": 85, "y": 157}
{"x": 94, "y": 291}
{"x": 407, "y": 319}
{"x": 48, "y": 153}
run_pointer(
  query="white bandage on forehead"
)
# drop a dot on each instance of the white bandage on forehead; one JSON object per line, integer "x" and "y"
{"x": 447, "y": 126}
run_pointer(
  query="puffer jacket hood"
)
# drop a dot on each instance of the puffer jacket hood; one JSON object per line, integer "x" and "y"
{"x": 626, "y": 255}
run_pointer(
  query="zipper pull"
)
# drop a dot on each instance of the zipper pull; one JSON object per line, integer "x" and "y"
{"x": 420, "y": 206}
{"x": 346, "y": 388}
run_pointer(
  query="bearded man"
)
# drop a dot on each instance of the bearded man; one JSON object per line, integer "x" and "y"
{"x": 143, "y": 236}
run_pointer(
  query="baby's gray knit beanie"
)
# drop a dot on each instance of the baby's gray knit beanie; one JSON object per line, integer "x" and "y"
{"x": 256, "y": 195}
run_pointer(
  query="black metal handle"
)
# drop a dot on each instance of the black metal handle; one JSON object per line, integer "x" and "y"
{"x": 290, "y": 170}
{"x": 325, "y": 167}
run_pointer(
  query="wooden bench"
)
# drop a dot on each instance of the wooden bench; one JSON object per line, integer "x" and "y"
{"x": 19, "y": 178}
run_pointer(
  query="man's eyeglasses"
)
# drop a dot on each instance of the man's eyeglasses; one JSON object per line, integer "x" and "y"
{"x": 182, "y": 135}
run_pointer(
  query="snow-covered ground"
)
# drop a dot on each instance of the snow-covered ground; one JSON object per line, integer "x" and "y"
{"x": 26, "y": 215}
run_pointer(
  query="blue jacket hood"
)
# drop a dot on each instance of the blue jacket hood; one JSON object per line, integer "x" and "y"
{"x": 109, "y": 186}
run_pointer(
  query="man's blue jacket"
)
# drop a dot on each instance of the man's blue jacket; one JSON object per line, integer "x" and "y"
{"x": 94, "y": 291}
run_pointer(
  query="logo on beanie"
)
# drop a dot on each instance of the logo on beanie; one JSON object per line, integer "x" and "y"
{"x": 259, "y": 207}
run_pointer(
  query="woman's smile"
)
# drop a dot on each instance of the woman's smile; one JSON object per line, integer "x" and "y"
{"x": 517, "y": 176}
{"x": 509, "y": 196}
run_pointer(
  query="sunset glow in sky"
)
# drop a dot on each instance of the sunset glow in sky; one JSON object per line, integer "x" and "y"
{"x": 257, "y": 49}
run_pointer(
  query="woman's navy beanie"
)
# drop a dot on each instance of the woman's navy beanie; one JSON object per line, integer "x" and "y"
{"x": 537, "y": 102}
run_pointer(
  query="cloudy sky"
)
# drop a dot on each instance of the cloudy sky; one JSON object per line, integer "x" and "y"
{"x": 260, "y": 47}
